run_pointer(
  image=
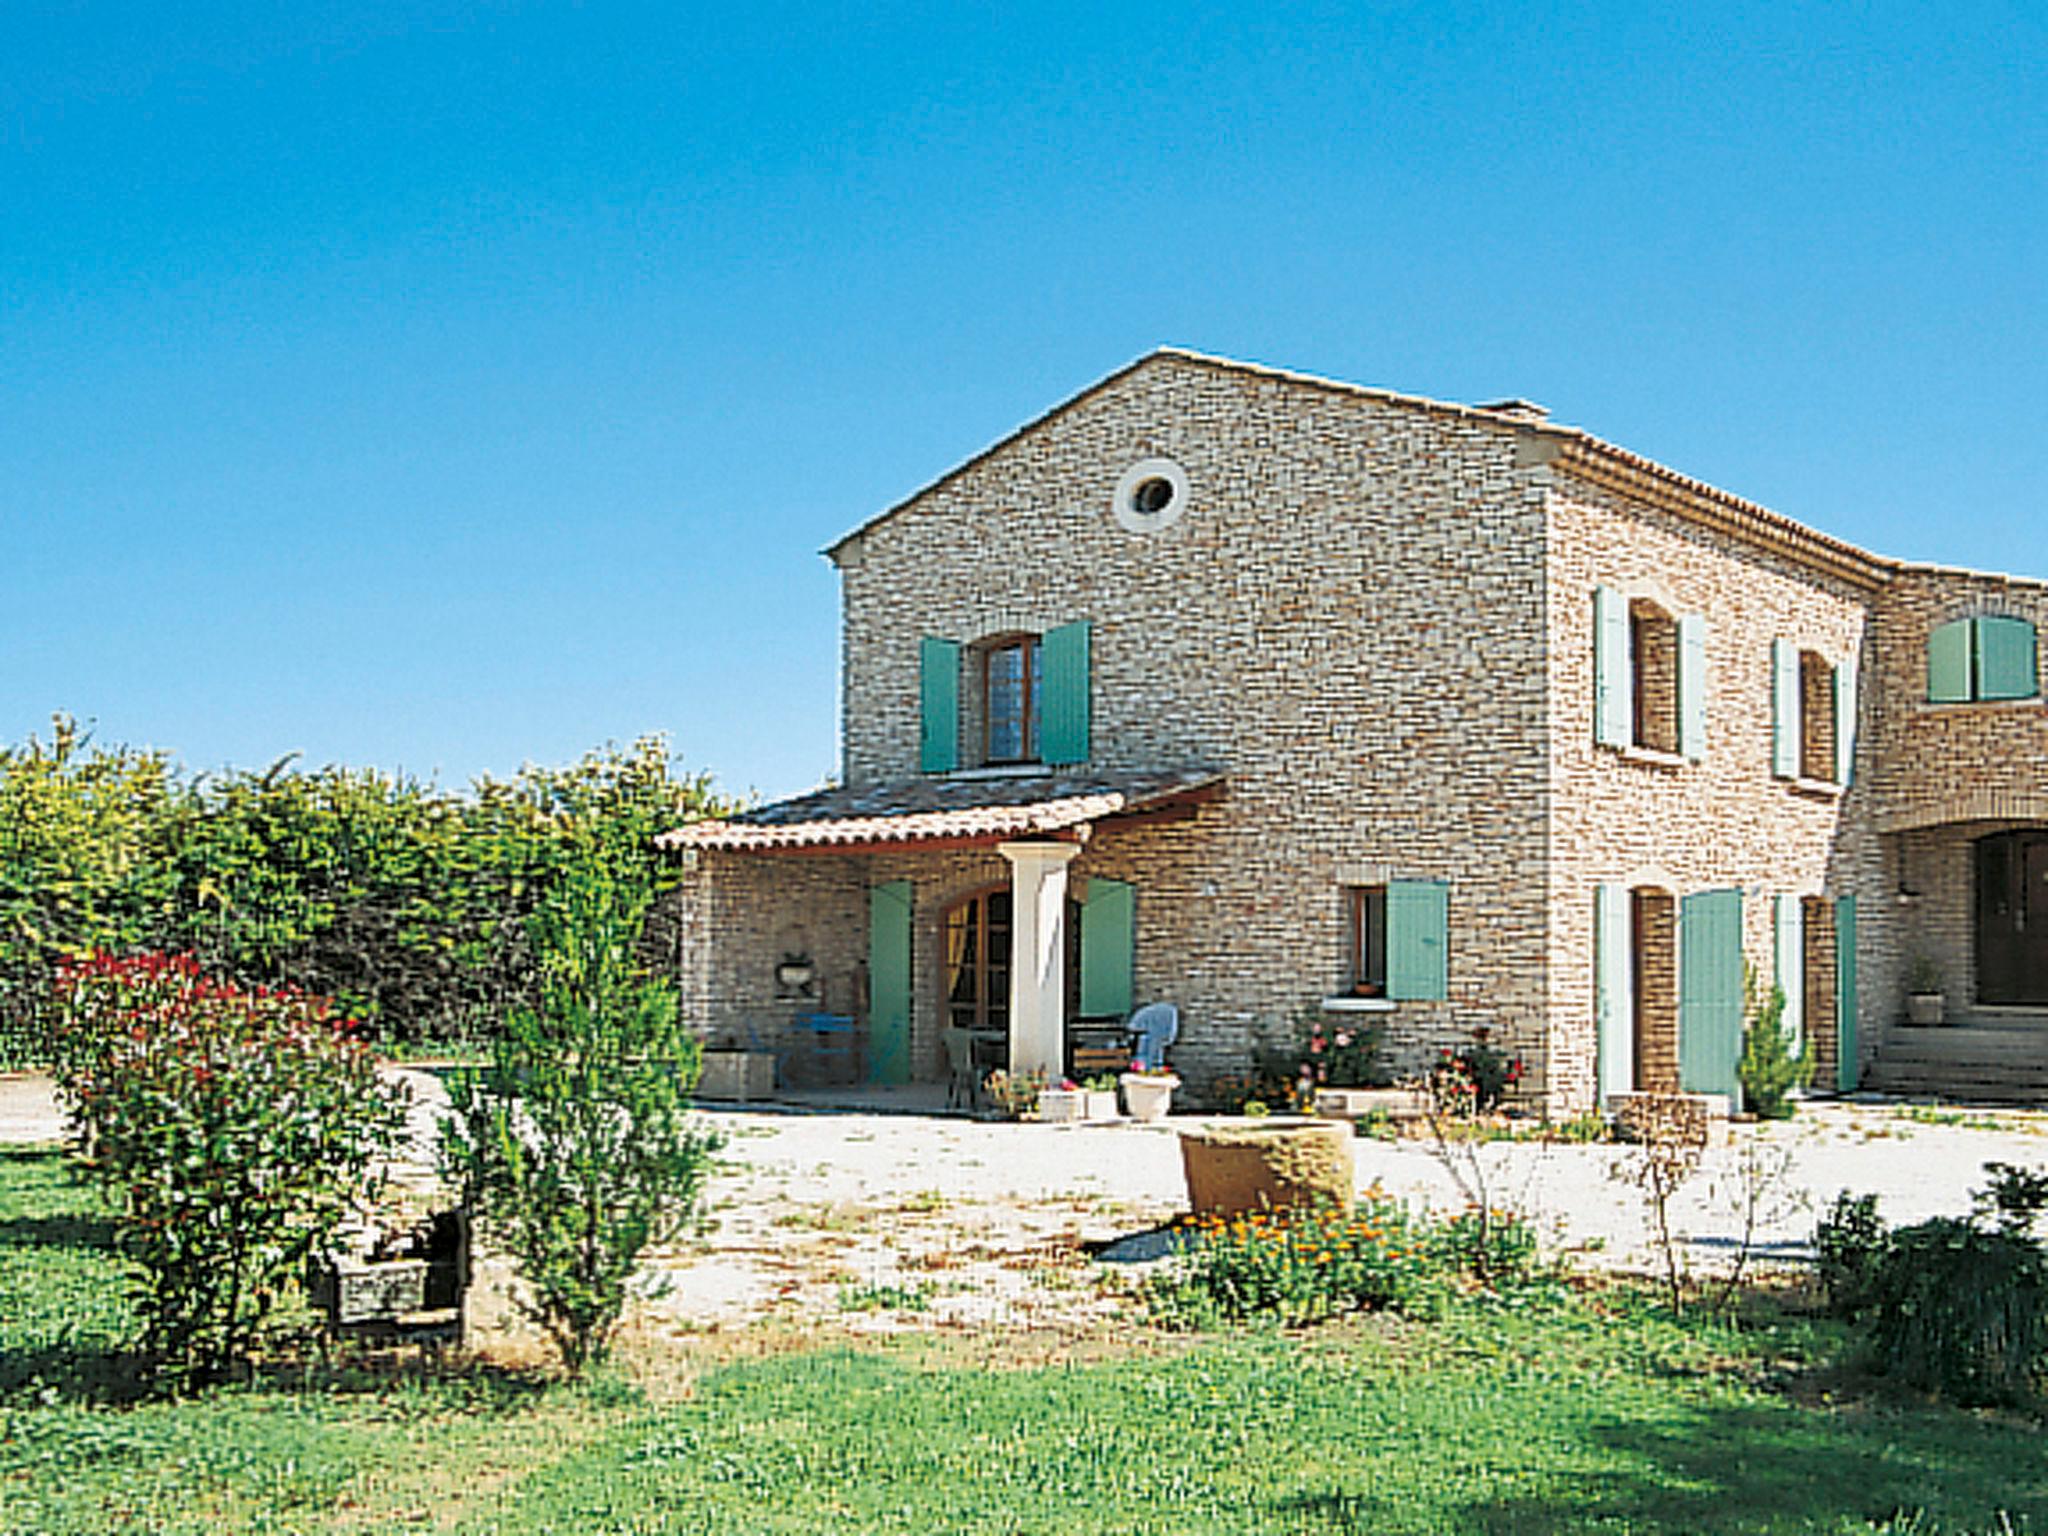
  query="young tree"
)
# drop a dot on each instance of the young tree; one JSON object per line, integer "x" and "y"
{"x": 575, "y": 1148}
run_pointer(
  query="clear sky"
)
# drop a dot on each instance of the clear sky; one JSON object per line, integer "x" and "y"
{"x": 445, "y": 386}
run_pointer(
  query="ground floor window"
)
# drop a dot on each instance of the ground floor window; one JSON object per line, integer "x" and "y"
{"x": 2012, "y": 918}
{"x": 1365, "y": 917}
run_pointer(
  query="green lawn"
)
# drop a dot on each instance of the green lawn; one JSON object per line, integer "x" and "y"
{"x": 1578, "y": 1420}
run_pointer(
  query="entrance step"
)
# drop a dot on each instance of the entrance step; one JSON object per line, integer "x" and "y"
{"x": 1984, "y": 1062}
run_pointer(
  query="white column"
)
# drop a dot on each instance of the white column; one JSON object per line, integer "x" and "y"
{"x": 1038, "y": 955}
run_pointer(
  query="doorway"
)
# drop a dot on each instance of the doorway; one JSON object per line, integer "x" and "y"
{"x": 2012, "y": 919}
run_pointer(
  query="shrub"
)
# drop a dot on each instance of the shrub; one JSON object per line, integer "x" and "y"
{"x": 1473, "y": 1081}
{"x": 1304, "y": 1264}
{"x": 1769, "y": 1069}
{"x": 233, "y": 1130}
{"x": 1849, "y": 1246}
{"x": 577, "y": 1148}
{"x": 1299, "y": 1265}
{"x": 2015, "y": 1197}
{"x": 1963, "y": 1312}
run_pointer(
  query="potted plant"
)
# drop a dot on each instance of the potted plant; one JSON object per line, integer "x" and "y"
{"x": 1061, "y": 1102}
{"x": 1148, "y": 1091}
{"x": 795, "y": 971}
{"x": 1101, "y": 1095}
{"x": 1926, "y": 1003}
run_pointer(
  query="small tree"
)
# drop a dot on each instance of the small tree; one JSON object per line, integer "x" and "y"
{"x": 234, "y": 1131}
{"x": 576, "y": 1148}
{"x": 1770, "y": 1068}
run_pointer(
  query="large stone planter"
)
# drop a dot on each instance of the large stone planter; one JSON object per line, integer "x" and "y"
{"x": 737, "y": 1076}
{"x": 1236, "y": 1168}
{"x": 1148, "y": 1098}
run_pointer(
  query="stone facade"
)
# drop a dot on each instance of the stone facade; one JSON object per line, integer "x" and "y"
{"x": 1375, "y": 616}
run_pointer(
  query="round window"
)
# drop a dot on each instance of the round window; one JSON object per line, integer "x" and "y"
{"x": 1152, "y": 494}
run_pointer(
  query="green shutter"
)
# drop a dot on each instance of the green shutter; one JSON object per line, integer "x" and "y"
{"x": 939, "y": 705}
{"x": 1848, "y": 1070}
{"x": 1789, "y": 941}
{"x": 1845, "y": 721}
{"x": 1063, "y": 727}
{"x": 1109, "y": 925}
{"x": 1710, "y": 992}
{"x": 1948, "y": 663}
{"x": 1418, "y": 940}
{"x": 1613, "y": 694}
{"x": 2005, "y": 658}
{"x": 1692, "y": 686}
{"x": 1614, "y": 1010}
{"x": 889, "y": 908}
{"x": 1784, "y": 709}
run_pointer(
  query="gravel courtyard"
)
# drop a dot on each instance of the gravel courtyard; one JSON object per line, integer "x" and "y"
{"x": 886, "y": 1221}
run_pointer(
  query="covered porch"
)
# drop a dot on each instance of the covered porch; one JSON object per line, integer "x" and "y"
{"x": 1971, "y": 925}
{"x": 987, "y": 913}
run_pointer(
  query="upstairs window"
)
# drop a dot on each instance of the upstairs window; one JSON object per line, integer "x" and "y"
{"x": 1992, "y": 656}
{"x": 1813, "y": 715}
{"x": 1653, "y": 667}
{"x": 1014, "y": 698}
{"x": 1649, "y": 677}
{"x": 1012, "y": 690}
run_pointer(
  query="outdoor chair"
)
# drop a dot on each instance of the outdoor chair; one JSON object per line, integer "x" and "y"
{"x": 963, "y": 1081}
{"x": 1157, "y": 1025}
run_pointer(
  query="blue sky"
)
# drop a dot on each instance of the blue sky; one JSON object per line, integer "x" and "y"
{"x": 441, "y": 387}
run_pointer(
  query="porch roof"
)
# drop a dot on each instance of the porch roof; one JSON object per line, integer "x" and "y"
{"x": 954, "y": 811}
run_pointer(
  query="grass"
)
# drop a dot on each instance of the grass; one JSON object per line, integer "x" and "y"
{"x": 1600, "y": 1416}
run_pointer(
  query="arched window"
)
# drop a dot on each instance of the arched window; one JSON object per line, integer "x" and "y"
{"x": 1991, "y": 656}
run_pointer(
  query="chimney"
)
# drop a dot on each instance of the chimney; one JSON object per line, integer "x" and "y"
{"x": 1520, "y": 409}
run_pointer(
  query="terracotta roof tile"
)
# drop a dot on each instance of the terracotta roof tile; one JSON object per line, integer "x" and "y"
{"x": 951, "y": 808}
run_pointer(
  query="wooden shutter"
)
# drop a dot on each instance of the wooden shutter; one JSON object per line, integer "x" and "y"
{"x": 889, "y": 908}
{"x": 938, "y": 669}
{"x": 1418, "y": 940}
{"x": 1614, "y": 1002}
{"x": 1613, "y": 693}
{"x": 1948, "y": 663}
{"x": 1108, "y": 944}
{"x": 1788, "y": 932}
{"x": 1845, "y": 720}
{"x": 1848, "y": 1070}
{"x": 1710, "y": 992}
{"x": 1692, "y": 686}
{"x": 2005, "y": 658}
{"x": 1063, "y": 725}
{"x": 1784, "y": 709}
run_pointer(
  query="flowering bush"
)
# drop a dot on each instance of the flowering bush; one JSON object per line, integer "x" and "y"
{"x": 1299, "y": 1265}
{"x": 1475, "y": 1080}
{"x": 1013, "y": 1095}
{"x": 233, "y": 1130}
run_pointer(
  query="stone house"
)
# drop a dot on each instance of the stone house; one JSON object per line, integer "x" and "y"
{"x": 1276, "y": 697}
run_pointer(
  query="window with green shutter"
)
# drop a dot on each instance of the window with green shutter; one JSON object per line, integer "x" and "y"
{"x": 1993, "y": 656}
{"x": 1418, "y": 940}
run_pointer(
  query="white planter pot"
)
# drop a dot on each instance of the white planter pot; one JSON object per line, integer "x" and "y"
{"x": 1101, "y": 1103}
{"x": 1148, "y": 1098}
{"x": 1059, "y": 1105}
{"x": 1927, "y": 1007}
